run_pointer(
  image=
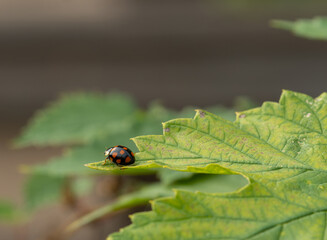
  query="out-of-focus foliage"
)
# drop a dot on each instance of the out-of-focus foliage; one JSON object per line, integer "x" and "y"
{"x": 79, "y": 118}
{"x": 88, "y": 123}
{"x": 315, "y": 28}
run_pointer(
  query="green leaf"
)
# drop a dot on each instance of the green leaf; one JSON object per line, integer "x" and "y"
{"x": 315, "y": 28}
{"x": 205, "y": 183}
{"x": 281, "y": 147}
{"x": 78, "y": 118}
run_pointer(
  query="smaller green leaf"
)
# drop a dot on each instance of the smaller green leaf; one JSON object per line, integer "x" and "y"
{"x": 78, "y": 118}
{"x": 315, "y": 28}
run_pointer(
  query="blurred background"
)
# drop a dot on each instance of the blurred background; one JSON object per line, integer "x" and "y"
{"x": 182, "y": 52}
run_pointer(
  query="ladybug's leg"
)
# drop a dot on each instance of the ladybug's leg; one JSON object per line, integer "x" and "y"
{"x": 105, "y": 161}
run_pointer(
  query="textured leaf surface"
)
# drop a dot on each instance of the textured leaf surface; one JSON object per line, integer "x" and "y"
{"x": 281, "y": 147}
{"x": 78, "y": 118}
{"x": 315, "y": 28}
{"x": 205, "y": 183}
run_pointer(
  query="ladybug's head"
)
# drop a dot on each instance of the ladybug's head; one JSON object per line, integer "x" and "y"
{"x": 107, "y": 152}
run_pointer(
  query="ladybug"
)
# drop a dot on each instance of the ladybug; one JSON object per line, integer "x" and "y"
{"x": 119, "y": 155}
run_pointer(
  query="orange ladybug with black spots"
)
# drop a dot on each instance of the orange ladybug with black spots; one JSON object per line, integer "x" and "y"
{"x": 119, "y": 155}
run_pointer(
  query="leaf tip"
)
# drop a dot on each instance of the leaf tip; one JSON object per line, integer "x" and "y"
{"x": 282, "y": 24}
{"x": 90, "y": 165}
